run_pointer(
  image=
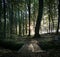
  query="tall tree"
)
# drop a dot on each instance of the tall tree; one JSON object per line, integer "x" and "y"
{"x": 4, "y": 7}
{"x": 11, "y": 18}
{"x": 39, "y": 18}
{"x": 26, "y": 17}
{"x": 19, "y": 20}
{"x": 0, "y": 16}
{"x": 29, "y": 6}
{"x": 58, "y": 18}
{"x": 49, "y": 11}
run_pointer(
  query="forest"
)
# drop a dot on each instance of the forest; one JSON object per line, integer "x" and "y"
{"x": 29, "y": 28}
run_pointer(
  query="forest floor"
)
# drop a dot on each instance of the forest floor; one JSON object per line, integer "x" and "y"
{"x": 44, "y": 38}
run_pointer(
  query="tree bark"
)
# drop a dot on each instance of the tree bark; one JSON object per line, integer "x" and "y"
{"x": 38, "y": 22}
{"x": 57, "y": 31}
{"x": 0, "y": 18}
{"x": 4, "y": 5}
{"x": 29, "y": 16}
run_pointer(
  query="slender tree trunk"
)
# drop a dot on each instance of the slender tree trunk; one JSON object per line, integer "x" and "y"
{"x": 16, "y": 23}
{"x": 29, "y": 16}
{"x": 38, "y": 22}
{"x": 4, "y": 5}
{"x": 49, "y": 23}
{"x": 34, "y": 14}
{"x": 52, "y": 23}
{"x": 19, "y": 18}
{"x": 49, "y": 15}
{"x": 0, "y": 18}
{"x": 19, "y": 26}
{"x": 26, "y": 21}
{"x": 57, "y": 31}
{"x": 11, "y": 19}
{"x": 23, "y": 24}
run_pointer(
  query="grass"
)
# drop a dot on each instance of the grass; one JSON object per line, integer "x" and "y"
{"x": 10, "y": 44}
{"x": 48, "y": 45}
{"x": 45, "y": 43}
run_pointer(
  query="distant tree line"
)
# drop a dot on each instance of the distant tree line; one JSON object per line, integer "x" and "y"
{"x": 17, "y": 17}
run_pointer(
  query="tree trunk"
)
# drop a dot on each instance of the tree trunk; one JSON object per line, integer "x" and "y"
{"x": 57, "y": 31}
{"x": 4, "y": 5}
{"x": 26, "y": 21}
{"x": 19, "y": 20}
{"x": 29, "y": 16}
{"x": 16, "y": 22}
{"x": 23, "y": 24}
{"x": 11, "y": 19}
{"x": 38, "y": 22}
{"x": 0, "y": 18}
{"x": 19, "y": 27}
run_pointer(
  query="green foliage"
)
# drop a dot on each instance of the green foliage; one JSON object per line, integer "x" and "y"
{"x": 17, "y": 16}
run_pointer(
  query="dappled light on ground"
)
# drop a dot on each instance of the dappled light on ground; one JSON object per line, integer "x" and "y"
{"x": 31, "y": 46}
